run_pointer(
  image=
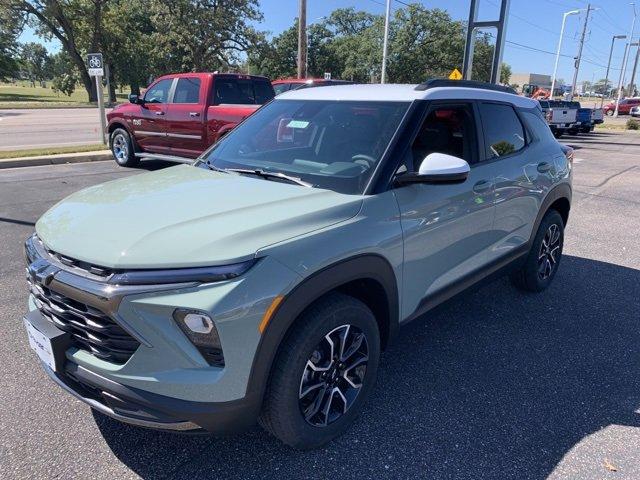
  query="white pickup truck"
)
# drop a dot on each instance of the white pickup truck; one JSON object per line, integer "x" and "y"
{"x": 560, "y": 115}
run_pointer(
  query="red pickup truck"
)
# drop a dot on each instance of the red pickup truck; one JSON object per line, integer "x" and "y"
{"x": 180, "y": 116}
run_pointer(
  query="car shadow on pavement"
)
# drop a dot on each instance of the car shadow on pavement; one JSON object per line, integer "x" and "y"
{"x": 494, "y": 384}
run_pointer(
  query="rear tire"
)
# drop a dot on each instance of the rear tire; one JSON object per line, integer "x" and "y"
{"x": 544, "y": 257}
{"x": 122, "y": 148}
{"x": 315, "y": 353}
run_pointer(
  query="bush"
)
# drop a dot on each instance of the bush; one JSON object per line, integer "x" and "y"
{"x": 633, "y": 124}
{"x": 65, "y": 83}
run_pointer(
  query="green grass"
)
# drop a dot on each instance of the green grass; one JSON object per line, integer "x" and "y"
{"x": 37, "y": 152}
{"x": 22, "y": 95}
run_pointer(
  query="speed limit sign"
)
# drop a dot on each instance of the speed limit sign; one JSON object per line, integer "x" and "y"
{"x": 94, "y": 60}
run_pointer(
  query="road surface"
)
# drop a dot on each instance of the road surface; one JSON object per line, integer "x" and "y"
{"x": 496, "y": 384}
{"x": 48, "y": 127}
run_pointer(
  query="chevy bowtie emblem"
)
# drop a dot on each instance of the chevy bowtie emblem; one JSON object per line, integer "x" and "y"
{"x": 42, "y": 272}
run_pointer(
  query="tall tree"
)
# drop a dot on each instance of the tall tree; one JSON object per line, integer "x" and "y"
{"x": 202, "y": 34}
{"x": 9, "y": 30}
{"x": 66, "y": 21}
{"x": 35, "y": 62}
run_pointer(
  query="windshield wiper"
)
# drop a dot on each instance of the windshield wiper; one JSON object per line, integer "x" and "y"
{"x": 267, "y": 174}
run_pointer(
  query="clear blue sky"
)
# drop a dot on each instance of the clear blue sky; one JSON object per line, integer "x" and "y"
{"x": 535, "y": 24}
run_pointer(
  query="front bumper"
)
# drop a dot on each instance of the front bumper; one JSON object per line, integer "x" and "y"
{"x": 149, "y": 410}
{"x": 166, "y": 383}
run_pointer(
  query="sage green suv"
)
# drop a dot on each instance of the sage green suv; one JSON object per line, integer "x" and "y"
{"x": 262, "y": 283}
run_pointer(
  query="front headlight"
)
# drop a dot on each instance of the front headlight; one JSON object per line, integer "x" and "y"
{"x": 182, "y": 275}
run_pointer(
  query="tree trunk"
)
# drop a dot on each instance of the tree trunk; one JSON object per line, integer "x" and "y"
{"x": 112, "y": 86}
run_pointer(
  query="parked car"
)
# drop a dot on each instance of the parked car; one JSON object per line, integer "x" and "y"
{"x": 635, "y": 111}
{"x": 597, "y": 116}
{"x": 560, "y": 115}
{"x": 285, "y": 84}
{"x": 584, "y": 121}
{"x": 181, "y": 115}
{"x": 625, "y": 106}
{"x": 264, "y": 281}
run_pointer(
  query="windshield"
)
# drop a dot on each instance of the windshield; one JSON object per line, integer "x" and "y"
{"x": 333, "y": 145}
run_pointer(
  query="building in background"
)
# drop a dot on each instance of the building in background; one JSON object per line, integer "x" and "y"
{"x": 539, "y": 79}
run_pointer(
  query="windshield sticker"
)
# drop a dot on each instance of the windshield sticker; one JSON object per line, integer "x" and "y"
{"x": 298, "y": 124}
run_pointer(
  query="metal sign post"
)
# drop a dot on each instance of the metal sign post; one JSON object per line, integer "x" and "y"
{"x": 94, "y": 61}
{"x": 500, "y": 25}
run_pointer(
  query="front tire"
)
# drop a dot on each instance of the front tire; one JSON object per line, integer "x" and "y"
{"x": 544, "y": 257}
{"x": 323, "y": 373}
{"x": 122, "y": 148}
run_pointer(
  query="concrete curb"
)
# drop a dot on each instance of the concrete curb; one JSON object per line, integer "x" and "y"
{"x": 97, "y": 156}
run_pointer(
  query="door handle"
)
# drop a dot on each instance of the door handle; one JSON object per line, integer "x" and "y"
{"x": 159, "y": 113}
{"x": 544, "y": 167}
{"x": 482, "y": 186}
{"x": 194, "y": 114}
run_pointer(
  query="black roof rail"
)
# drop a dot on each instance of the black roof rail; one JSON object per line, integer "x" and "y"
{"x": 444, "y": 82}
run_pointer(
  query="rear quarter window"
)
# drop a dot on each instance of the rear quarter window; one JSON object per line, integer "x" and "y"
{"x": 537, "y": 126}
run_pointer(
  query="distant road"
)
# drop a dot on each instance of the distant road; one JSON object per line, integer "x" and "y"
{"x": 50, "y": 127}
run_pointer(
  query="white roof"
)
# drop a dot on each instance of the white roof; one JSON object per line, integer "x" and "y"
{"x": 402, "y": 93}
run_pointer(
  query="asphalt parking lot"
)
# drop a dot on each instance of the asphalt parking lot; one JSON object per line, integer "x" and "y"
{"x": 495, "y": 384}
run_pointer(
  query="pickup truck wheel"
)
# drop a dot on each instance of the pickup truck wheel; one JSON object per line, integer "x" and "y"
{"x": 544, "y": 257}
{"x": 323, "y": 373}
{"x": 610, "y": 113}
{"x": 122, "y": 148}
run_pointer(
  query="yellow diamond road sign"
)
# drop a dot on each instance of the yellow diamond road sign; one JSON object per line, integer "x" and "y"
{"x": 455, "y": 74}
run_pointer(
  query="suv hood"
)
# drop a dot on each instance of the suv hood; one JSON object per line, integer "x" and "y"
{"x": 186, "y": 216}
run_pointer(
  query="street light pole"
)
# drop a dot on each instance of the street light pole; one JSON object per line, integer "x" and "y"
{"x": 385, "y": 44}
{"x": 624, "y": 59}
{"x": 606, "y": 77}
{"x": 555, "y": 68}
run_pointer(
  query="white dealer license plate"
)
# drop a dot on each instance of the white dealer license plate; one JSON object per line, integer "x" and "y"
{"x": 41, "y": 345}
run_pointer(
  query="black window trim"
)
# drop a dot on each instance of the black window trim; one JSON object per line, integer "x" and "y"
{"x": 527, "y": 139}
{"x": 383, "y": 178}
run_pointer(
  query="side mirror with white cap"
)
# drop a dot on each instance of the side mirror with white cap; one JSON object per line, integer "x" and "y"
{"x": 437, "y": 168}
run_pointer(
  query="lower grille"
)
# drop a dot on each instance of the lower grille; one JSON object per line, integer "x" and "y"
{"x": 91, "y": 330}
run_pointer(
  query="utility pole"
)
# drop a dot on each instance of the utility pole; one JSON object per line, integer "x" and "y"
{"x": 385, "y": 44}
{"x": 302, "y": 39}
{"x": 579, "y": 57}
{"x": 635, "y": 67}
{"x": 624, "y": 60}
{"x": 606, "y": 77}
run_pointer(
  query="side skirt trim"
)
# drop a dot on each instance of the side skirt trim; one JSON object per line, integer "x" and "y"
{"x": 492, "y": 271}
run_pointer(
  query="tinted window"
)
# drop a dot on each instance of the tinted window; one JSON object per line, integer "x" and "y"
{"x": 537, "y": 124}
{"x": 233, "y": 91}
{"x": 447, "y": 129}
{"x": 159, "y": 93}
{"x": 263, "y": 91}
{"x": 187, "y": 91}
{"x": 333, "y": 145}
{"x": 281, "y": 88}
{"x": 503, "y": 133}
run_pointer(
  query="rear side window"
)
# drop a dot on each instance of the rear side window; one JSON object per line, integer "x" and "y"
{"x": 159, "y": 93}
{"x": 538, "y": 126}
{"x": 187, "y": 91}
{"x": 237, "y": 91}
{"x": 281, "y": 88}
{"x": 503, "y": 132}
{"x": 263, "y": 91}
